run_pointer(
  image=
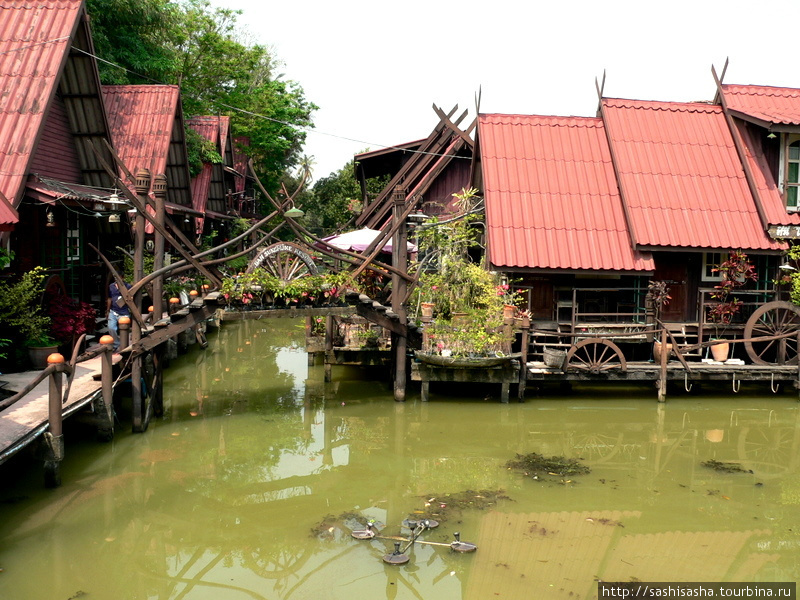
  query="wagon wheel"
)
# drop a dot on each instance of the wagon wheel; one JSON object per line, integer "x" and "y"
{"x": 285, "y": 266}
{"x": 771, "y": 319}
{"x": 596, "y": 356}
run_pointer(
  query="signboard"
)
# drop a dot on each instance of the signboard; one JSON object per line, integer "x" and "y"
{"x": 784, "y": 232}
{"x": 270, "y": 253}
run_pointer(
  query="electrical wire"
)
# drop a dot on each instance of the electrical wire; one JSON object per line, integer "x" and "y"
{"x": 305, "y": 128}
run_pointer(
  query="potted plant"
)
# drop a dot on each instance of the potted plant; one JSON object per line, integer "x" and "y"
{"x": 657, "y": 298}
{"x": 735, "y": 272}
{"x": 22, "y": 319}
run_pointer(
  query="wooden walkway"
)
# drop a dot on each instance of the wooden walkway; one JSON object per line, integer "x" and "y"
{"x": 24, "y": 421}
{"x": 649, "y": 371}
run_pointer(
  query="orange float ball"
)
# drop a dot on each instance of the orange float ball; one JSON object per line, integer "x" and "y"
{"x": 124, "y": 321}
{"x": 106, "y": 339}
{"x": 174, "y": 300}
{"x": 149, "y": 309}
{"x": 55, "y": 359}
{"x": 205, "y": 286}
{"x": 193, "y": 293}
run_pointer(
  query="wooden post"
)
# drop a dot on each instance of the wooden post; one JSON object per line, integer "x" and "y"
{"x": 399, "y": 288}
{"x": 662, "y": 379}
{"x": 328, "y": 346}
{"x": 523, "y": 359}
{"x": 797, "y": 383}
{"x": 124, "y": 331}
{"x": 160, "y": 192}
{"x": 142, "y": 189}
{"x": 157, "y": 389}
{"x": 105, "y": 413}
{"x": 54, "y": 437}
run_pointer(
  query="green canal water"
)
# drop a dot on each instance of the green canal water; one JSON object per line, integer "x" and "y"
{"x": 249, "y": 485}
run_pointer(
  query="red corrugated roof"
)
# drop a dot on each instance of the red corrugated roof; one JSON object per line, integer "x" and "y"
{"x": 551, "y": 197}
{"x": 240, "y": 160}
{"x": 765, "y": 103}
{"x": 771, "y": 197}
{"x": 141, "y": 119}
{"x": 215, "y": 129}
{"x": 681, "y": 178}
{"x": 34, "y": 38}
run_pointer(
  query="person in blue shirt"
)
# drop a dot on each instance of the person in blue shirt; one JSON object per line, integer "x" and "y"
{"x": 114, "y": 311}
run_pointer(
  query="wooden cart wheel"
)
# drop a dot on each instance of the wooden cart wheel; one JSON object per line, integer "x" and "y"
{"x": 284, "y": 260}
{"x": 596, "y": 356}
{"x": 771, "y": 319}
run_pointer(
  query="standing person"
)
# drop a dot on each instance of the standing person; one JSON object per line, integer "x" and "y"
{"x": 114, "y": 311}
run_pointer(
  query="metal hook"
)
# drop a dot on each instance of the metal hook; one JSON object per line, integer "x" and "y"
{"x": 774, "y": 388}
{"x": 736, "y": 387}
{"x": 686, "y": 385}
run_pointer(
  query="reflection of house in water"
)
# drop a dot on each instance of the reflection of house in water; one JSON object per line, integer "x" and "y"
{"x": 562, "y": 554}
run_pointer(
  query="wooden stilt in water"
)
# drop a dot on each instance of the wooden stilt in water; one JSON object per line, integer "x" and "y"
{"x": 104, "y": 409}
{"x": 328, "y": 357}
{"x": 399, "y": 288}
{"x": 54, "y": 437}
{"x": 157, "y": 388}
{"x": 142, "y": 190}
{"x": 662, "y": 377}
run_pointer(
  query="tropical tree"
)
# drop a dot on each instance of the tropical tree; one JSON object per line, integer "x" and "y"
{"x": 202, "y": 49}
{"x": 336, "y": 199}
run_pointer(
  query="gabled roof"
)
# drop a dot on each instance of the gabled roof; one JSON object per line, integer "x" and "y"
{"x": 208, "y": 184}
{"x": 764, "y": 104}
{"x": 35, "y": 43}
{"x": 680, "y": 177}
{"x": 551, "y": 197}
{"x": 147, "y": 128}
{"x": 768, "y": 193}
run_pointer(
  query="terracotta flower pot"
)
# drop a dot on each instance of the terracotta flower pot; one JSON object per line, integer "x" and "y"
{"x": 658, "y": 347}
{"x": 720, "y": 351}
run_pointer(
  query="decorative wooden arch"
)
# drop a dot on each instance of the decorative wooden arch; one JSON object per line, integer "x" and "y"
{"x": 285, "y": 260}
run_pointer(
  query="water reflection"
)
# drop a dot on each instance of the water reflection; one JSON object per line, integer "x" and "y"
{"x": 249, "y": 485}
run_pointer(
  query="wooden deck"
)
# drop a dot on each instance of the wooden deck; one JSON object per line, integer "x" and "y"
{"x": 650, "y": 371}
{"x": 24, "y": 421}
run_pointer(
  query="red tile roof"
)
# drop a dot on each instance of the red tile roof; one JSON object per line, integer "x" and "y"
{"x": 551, "y": 198}
{"x": 215, "y": 129}
{"x": 771, "y": 104}
{"x": 771, "y": 197}
{"x": 141, "y": 119}
{"x": 681, "y": 178}
{"x": 34, "y": 38}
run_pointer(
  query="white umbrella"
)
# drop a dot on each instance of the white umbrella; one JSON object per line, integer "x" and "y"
{"x": 359, "y": 240}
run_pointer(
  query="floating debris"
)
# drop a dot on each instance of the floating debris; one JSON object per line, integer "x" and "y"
{"x": 722, "y": 467}
{"x": 537, "y": 466}
{"x": 330, "y": 524}
{"x": 442, "y": 506}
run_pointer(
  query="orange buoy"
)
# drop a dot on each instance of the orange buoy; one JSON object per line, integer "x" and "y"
{"x": 193, "y": 293}
{"x": 106, "y": 339}
{"x": 174, "y": 300}
{"x": 124, "y": 321}
{"x": 55, "y": 359}
{"x": 150, "y": 309}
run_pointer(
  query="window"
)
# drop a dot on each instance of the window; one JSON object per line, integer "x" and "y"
{"x": 792, "y": 175}
{"x": 711, "y": 260}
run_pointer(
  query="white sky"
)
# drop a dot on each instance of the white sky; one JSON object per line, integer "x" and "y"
{"x": 375, "y": 67}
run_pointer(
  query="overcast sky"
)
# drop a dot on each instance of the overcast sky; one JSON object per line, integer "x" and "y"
{"x": 374, "y": 68}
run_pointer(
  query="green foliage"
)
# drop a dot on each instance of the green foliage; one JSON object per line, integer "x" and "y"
{"x": 263, "y": 288}
{"x": 736, "y": 272}
{"x": 200, "y": 150}
{"x": 336, "y": 199}
{"x": 22, "y": 316}
{"x": 135, "y": 34}
{"x": 200, "y": 48}
{"x": 6, "y": 256}
{"x": 468, "y": 299}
